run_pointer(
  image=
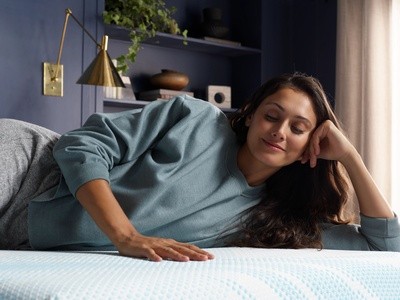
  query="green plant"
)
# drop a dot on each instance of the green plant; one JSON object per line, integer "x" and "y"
{"x": 143, "y": 18}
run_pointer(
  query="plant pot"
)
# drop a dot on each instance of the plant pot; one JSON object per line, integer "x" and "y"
{"x": 169, "y": 79}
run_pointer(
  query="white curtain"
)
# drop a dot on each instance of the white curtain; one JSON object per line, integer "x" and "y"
{"x": 395, "y": 179}
{"x": 367, "y": 69}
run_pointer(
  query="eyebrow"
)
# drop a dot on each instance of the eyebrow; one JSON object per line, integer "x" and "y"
{"x": 280, "y": 107}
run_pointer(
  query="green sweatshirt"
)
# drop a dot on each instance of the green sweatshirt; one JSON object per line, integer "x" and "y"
{"x": 172, "y": 167}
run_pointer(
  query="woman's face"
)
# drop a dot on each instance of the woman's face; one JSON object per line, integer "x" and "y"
{"x": 280, "y": 128}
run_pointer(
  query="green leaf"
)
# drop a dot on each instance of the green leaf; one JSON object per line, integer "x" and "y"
{"x": 143, "y": 18}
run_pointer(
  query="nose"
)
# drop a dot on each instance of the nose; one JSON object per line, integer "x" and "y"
{"x": 277, "y": 135}
{"x": 278, "y": 132}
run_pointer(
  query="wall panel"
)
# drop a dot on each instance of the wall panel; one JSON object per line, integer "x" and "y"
{"x": 30, "y": 32}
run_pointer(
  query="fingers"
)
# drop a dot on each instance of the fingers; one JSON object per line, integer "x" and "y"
{"x": 311, "y": 153}
{"x": 327, "y": 142}
{"x": 171, "y": 254}
{"x": 182, "y": 252}
{"x": 152, "y": 255}
{"x": 157, "y": 249}
{"x": 314, "y": 148}
{"x": 195, "y": 253}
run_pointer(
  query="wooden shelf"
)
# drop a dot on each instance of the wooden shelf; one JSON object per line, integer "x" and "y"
{"x": 193, "y": 44}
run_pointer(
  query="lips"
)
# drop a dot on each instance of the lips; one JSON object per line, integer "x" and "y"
{"x": 273, "y": 146}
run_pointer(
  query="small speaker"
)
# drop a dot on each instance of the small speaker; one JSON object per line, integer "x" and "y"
{"x": 219, "y": 95}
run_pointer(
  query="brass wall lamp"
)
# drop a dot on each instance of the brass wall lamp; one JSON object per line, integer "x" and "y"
{"x": 100, "y": 72}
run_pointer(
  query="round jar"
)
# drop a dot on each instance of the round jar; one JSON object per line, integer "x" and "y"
{"x": 169, "y": 79}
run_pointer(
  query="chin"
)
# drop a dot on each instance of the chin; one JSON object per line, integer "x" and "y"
{"x": 276, "y": 163}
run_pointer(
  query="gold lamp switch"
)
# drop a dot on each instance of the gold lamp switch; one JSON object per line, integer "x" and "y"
{"x": 52, "y": 79}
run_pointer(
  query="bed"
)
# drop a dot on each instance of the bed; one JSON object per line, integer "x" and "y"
{"x": 235, "y": 273}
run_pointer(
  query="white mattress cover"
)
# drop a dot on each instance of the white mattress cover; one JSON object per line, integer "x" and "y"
{"x": 235, "y": 273}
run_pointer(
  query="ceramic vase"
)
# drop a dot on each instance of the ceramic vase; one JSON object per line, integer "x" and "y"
{"x": 212, "y": 23}
{"x": 169, "y": 79}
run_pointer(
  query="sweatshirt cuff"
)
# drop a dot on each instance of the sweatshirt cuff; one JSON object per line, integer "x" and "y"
{"x": 380, "y": 227}
{"x": 77, "y": 176}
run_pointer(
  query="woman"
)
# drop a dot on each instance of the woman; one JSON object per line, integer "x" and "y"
{"x": 303, "y": 202}
{"x": 162, "y": 182}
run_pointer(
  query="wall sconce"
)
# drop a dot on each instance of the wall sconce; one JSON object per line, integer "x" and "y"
{"x": 100, "y": 72}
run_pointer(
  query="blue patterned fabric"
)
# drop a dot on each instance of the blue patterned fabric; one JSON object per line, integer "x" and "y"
{"x": 235, "y": 273}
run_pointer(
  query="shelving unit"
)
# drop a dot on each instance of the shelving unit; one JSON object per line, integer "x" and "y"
{"x": 177, "y": 42}
{"x": 206, "y": 62}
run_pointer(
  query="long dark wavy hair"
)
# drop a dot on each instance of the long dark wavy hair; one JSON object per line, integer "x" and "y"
{"x": 297, "y": 199}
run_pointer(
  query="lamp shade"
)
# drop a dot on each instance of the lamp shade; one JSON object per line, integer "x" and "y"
{"x": 101, "y": 72}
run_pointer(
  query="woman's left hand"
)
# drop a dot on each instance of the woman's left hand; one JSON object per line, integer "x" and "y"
{"x": 327, "y": 142}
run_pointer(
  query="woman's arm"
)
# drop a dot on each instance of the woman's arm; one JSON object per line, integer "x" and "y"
{"x": 109, "y": 140}
{"x": 328, "y": 142}
{"x": 97, "y": 198}
{"x": 371, "y": 201}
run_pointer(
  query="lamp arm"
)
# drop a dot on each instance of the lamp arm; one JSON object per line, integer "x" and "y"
{"x": 84, "y": 29}
{"x": 68, "y": 13}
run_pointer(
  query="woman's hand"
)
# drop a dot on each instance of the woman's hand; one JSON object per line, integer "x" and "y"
{"x": 327, "y": 142}
{"x": 157, "y": 249}
{"x": 97, "y": 198}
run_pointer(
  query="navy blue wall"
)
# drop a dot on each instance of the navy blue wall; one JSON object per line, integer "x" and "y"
{"x": 300, "y": 35}
{"x": 296, "y": 35}
{"x": 30, "y": 34}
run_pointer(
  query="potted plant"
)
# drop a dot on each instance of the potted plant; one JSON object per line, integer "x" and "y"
{"x": 143, "y": 18}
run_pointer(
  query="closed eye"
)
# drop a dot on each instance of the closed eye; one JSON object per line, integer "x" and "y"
{"x": 297, "y": 130}
{"x": 271, "y": 118}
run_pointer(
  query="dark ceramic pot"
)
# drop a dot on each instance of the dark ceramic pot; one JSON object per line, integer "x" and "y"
{"x": 212, "y": 23}
{"x": 169, "y": 79}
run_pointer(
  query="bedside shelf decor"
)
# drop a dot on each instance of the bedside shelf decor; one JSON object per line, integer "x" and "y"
{"x": 169, "y": 79}
{"x": 162, "y": 94}
{"x": 234, "y": 60}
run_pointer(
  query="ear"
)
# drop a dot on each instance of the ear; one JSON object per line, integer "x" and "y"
{"x": 248, "y": 120}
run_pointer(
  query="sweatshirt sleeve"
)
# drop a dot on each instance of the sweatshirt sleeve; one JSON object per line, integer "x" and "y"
{"x": 375, "y": 234}
{"x": 106, "y": 140}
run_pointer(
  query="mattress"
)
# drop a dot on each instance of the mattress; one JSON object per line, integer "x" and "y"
{"x": 235, "y": 273}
